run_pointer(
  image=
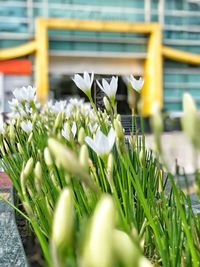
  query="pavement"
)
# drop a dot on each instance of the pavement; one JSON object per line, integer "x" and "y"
{"x": 177, "y": 148}
{"x": 11, "y": 248}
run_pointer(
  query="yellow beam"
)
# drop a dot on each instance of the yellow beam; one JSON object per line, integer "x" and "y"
{"x": 153, "y": 68}
{"x": 41, "y": 61}
{"x": 175, "y": 54}
{"x": 19, "y": 51}
{"x": 94, "y": 25}
{"x": 152, "y": 92}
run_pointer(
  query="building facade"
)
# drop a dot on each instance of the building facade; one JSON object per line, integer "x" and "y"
{"x": 110, "y": 53}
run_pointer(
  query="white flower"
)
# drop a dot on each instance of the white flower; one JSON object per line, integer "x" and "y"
{"x": 93, "y": 127}
{"x": 27, "y": 126}
{"x": 135, "y": 83}
{"x": 25, "y": 94}
{"x": 30, "y": 93}
{"x": 59, "y": 106}
{"x": 109, "y": 89}
{"x": 86, "y": 109}
{"x": 14, "y": 115}
{"x": 76, "y": 102}
{"x": 14, "y": 104}
{"x": 66, "y": 131}
{"x": 84, "y": 83}
{"x": 102, "y": 144}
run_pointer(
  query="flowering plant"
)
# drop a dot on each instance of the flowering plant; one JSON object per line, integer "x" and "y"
{"x": 94, "y": 197}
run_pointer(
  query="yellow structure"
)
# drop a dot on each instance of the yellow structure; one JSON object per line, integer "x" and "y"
{"x": 153, "y": 88}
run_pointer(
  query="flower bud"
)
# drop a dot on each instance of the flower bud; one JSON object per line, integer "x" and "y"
{"x": 38, "y": 176}
{"x": 20, "y": 149}
{"x": 49, "y": 208}
{"x": 141, "y": 156}
{"x": 100, "y": 239}
{"x": 58, "y": 121}
{"x": 118, "y": 129}
{"x": 156, "y": 120}
{"x": 28, "y": 167}
{"x": 12, "y": 132}
{"x": 190, "y": 120}
{"x": 30, "y": 137}
{"x": 81, "y": 136}
{"x": 27, "y": 209}
{"x": 110, "y": 166}
{"x": 63, "y": 221}
{"x": 47, "y": 157}
{"x": 132, "y": 99}
{"x": 30, "y": 190}
{"x": 144, "y": 262}
{"x": 23, "y": 180}
{"x": 84, "y": 157}
{"x": 55, "y": 182}
{"x": 125, "y": 249}
{"x": 66, "y": 159}
{"x": 118, "y": 117}
{"x": 7, "y": 149}
{"x": 107, "y": 104}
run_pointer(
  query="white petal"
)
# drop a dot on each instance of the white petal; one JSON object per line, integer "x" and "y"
{"x": 87, "y": 79}
{"x": 113, "y": 85}
{"x": 91, "y": 143}
{"x": 91, "y": 79}
{"x": 98, "y": 136}
{"x": 100, "y": 86}
{"x": 74, "y": 129}
{"x": 80, "y": 83}
{"x": 136, "y": 84}
{"x": 111, "y": 138}
{"x": 106, "y": 87}
{"x": 65, "y": 134}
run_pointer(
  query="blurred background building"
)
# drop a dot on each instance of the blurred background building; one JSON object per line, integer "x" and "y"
{"x": 102, "y": 52}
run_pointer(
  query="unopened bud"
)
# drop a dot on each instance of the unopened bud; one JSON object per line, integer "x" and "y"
{"x": 141, "y": 156}
{"x": 156, "y": 120}
{"x": 7, "y": 149}
{"x": 20, "y": 149}
{"x": 100, "y": 241}
{"x": 23, "y": 180}
{"x": 144, "y": 262}
{"x": 35, "y": 117}
{"x": 66, "y": 159}
{"x": 38, "y": 176}
{"x": 47, "y": 157}
{"x": 63, "y": 221}
{"x": 191, "y": 120}
{"x": 30, "y": 137}
{"x": 125, "y": 249}
{"x": 27, "y": 209}
{"x": 84, "y": 157}
{"x": 12, "y": 132}
{"x": 58, "y": 121}
{"x": 49, "y": 208}
{"x": 107, "y": 104}
{"x": 118, "y": 117}
{"x": 28, "y": 167}
{"x": 81, "y": 136}
{"x": 118, "y": 129}
{"x": 110, "y": 166}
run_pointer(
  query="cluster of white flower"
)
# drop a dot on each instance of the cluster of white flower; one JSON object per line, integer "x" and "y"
{"x": 85, "y": 83}
{"x": 70, "y": 107}
{"x": 24, "y": 102}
